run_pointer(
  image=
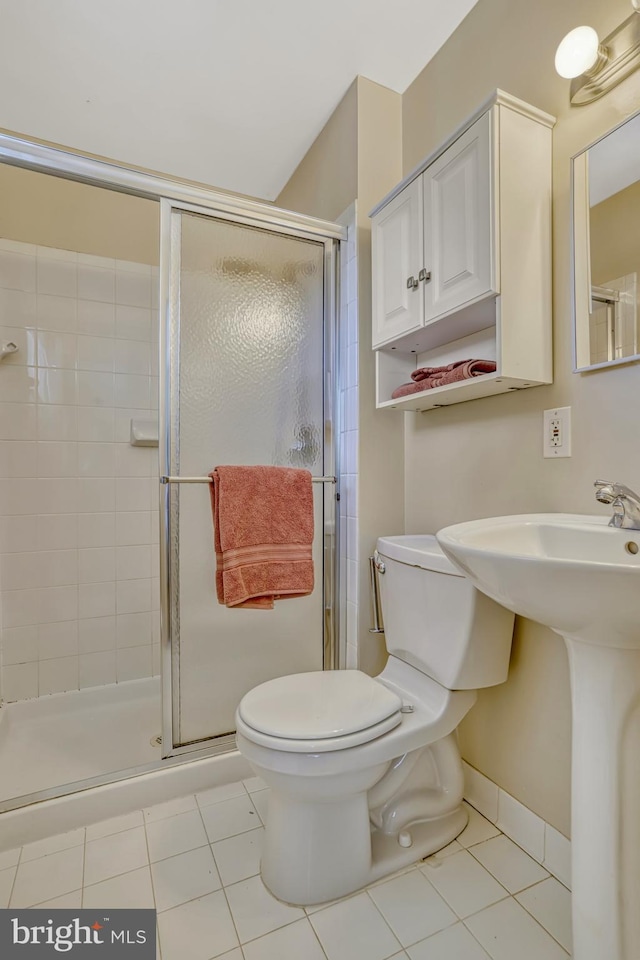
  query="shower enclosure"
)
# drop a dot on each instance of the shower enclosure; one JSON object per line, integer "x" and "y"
{"x": 242, "y": 316}
{"x": 246, "y": 381}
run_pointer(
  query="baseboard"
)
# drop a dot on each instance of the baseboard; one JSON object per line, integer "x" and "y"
{"x": 541, "y": 841}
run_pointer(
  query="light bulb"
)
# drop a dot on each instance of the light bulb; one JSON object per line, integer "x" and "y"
{"x": 578, "y": 52}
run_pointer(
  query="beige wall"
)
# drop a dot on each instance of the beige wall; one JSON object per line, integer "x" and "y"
{"x": 358, "y": 156}
{"x": 325, "y": 182}
{"x": 484, "y": 458}
{"x": 615, "y": 235}
{"x": 47, "y": 210}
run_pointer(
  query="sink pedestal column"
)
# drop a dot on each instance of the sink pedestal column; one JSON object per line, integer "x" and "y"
{"x": 605, "y": 805}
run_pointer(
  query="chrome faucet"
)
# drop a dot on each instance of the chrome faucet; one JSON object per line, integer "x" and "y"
{"x": 624, "y": 502}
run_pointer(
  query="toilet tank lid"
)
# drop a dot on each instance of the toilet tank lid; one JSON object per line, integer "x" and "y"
{"x": 418, "y": 550}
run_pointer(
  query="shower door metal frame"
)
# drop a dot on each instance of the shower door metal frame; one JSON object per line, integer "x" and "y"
{"x": 68, "y": 164}
{"x": 169, "y": 386}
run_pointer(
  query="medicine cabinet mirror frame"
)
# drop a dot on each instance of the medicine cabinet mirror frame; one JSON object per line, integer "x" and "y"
{"x": 605, "y": 180}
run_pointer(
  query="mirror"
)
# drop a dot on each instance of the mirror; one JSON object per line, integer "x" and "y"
{"x": 606, "y": 246}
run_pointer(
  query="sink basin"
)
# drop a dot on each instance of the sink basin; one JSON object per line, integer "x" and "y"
{"x": 573, "y": 573}
{"x": 581, "y": 577}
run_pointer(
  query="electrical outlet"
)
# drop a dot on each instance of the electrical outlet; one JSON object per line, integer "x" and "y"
{"x": 556, "y": 432}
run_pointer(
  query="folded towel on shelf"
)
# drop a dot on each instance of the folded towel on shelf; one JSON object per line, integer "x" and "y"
{"x": 464, "y": 371}
{"x": 422, "y": 379}
{"x": 425, "y": 373}
{"x": 263, "y": 532}
{"x": 406, "y": 389}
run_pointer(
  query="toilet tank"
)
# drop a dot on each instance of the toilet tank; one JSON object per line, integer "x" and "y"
{"x": 435, "y": 620}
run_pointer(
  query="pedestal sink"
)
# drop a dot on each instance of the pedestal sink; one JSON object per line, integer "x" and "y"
{"x": 581, "y": 577}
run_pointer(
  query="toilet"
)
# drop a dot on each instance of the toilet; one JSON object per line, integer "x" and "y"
{"x": 365, "y": 773}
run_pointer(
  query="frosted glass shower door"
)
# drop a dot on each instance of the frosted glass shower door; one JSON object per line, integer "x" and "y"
{"x": 245, "y": 385}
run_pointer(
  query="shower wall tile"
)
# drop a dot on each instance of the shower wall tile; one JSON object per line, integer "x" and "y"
{"x": 96, "y": 635}
{"x": 57, "y": 422}
{"x": 57, "y": 313}
{"x": 20, "y": 645}
{"x": 78, "y": 522}
{"x": 18, "y": 421}
{"x": 57, "y": 639}
{"x": 18, "y": 534}
{"x": 97, "y": 669}
{"x": 96, "y": 600}
{"x": 96, "y": 529}
{"x": 57, "y": 676}
{"x": 96, "y": 319}
{"x": 20, "y": 681}
{"x": 17, "y": 308}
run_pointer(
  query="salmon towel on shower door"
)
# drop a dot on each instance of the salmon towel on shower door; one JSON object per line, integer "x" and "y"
{"x": 263, "y": 532}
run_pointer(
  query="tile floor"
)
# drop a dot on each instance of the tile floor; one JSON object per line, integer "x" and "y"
{"x": 196, "y": 859}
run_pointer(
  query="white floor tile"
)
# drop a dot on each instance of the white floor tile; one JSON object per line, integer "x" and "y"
{"x": 198, "y": 930}
{"x": 550, "y": 903}
{"x": 230, "y": 817}
{"x": 169, "y": 809}
{"x": 297, "y": 941}
{"x": 9, "y": 858}
{"x": 216, "y": 794}
{"x": 353, "y": 930}
{"x": 6, "y": 883}
{"x": 260, "y": 800}
{"x": 506, "y": 931}
{"x": 61, "y": 841}
{"x": 68, "y": 901}
{"x": 411, "y": 907}
{"x": 464, "y": 883}
{"x": 255, "y": 912}
{"x": 128, "y": 890}
{"x": 232, "y": 955}
{"x": 111, "y": 856}
{"x": 253, "y": 784}
{"x": 453, "y": 847}
{"x": 510, "y": 865}
{"x": 454, "y": 943}
{"x": 477, "y": 829}
{"x": 185, "y": 877}
{"x": 48, "y": 877}
{"x": 167, "y": 838}
{"x": 238, "y": 858}
{"x": 107, "y": 828}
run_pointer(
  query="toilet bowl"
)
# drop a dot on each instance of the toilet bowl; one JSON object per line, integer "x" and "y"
{"x": 365, "y": 773}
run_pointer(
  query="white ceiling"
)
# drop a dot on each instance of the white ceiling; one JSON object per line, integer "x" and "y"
{"x": 226, "y": 92}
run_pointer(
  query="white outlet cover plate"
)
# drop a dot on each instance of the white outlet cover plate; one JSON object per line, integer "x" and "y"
{"x": 563, "y": 414}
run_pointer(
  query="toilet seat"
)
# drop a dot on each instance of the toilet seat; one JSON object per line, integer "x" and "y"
{"x": 318, "y": 712}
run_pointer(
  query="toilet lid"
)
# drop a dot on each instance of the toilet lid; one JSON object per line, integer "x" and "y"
{"x": 319, "y": 706}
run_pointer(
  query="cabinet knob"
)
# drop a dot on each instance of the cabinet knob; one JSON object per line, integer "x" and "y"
{"x": 424, "y": 275}
{"x": 412, "y": 283}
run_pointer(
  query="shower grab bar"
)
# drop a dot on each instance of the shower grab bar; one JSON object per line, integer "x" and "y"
{"x": 209, "y": 480}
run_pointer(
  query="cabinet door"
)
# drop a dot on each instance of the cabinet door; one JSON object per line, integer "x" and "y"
{"x": 396, "y": 257}
{"x": 458, "y": 223}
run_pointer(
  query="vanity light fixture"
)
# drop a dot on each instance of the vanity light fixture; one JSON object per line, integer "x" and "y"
{"x": 594, "y": 67}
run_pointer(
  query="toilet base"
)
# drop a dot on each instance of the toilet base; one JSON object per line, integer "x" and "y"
{"x": 386, "y": 857}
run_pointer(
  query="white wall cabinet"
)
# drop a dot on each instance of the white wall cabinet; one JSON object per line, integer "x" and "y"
{"x": 462, "y": 260}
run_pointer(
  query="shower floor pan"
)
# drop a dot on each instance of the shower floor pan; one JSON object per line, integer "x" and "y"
{"x": 62, "y": 738}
